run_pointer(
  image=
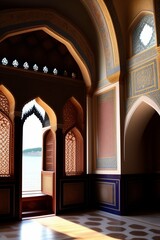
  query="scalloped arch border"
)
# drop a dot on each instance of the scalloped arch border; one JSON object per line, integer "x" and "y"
{"x": 51, "y": 114}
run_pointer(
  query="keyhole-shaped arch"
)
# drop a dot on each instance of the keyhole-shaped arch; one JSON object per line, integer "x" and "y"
{"x": 44, "y": 116}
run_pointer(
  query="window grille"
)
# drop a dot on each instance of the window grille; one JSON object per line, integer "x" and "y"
{"x": 6, "y": 138}
{"x": 74, "y": 153}
{"x": 74, "y": 150}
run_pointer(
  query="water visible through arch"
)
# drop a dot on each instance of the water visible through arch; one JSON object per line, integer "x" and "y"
{"x": 32, "y": 147}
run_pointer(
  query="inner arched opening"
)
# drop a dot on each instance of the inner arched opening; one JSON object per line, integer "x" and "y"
{"x": 142, "y": 158}
{"x": 33, "y": 117}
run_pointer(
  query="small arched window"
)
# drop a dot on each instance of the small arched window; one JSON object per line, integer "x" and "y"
{"x": 143, "y": 35}
{"x": 73, "y": 138}
{"x": 6, "y": 133}
{"x": 74, "y": 153}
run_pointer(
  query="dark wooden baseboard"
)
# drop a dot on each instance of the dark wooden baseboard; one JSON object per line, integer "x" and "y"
{"x": 36, "y": 205}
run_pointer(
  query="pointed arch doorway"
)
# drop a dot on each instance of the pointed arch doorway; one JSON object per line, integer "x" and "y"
{"x": 38, "y": 159}
{"x": 142, "y": 156}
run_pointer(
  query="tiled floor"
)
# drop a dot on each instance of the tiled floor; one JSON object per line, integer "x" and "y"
{"x": 89, "y": 225}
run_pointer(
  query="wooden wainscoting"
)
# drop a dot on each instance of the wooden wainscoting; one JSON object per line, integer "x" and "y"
{"x": 73, "y": 193}
{"x": 7, "y": 201}
{"x": 107, "y": 193}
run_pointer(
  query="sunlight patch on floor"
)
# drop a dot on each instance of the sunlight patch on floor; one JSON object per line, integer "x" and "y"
{"x": 71, "y": 229}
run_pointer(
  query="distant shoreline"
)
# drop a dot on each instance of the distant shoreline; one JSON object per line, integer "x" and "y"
{"x": 32, "y": 152}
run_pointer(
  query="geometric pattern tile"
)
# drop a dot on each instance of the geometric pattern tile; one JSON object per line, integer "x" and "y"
{"x": 85, "y": 225}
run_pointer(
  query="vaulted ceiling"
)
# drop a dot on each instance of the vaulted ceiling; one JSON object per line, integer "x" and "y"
{"x": 42, "y": 49}
{"x": 73, "y": 10}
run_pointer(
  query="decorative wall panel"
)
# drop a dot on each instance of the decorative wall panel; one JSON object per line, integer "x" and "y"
{"x": 144, "y": 56}
{"x": 106, "y": 130}
{"x": 107, "y": 193}
{"x": 7, "y": 200}
{"x": 143, "y": 79}
{"x": 73, "y": 193}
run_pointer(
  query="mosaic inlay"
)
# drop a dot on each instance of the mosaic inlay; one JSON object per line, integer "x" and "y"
{"x": 102, "y": 223}
{"x": 143, "y": 79}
